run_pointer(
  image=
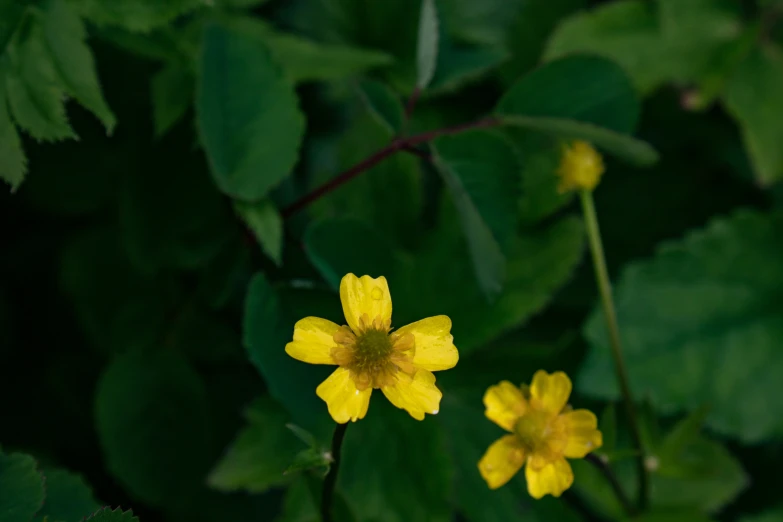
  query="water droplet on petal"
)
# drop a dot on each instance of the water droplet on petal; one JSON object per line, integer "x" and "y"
{"x": 376, "y": 294}
{"x": 435, "y": 412}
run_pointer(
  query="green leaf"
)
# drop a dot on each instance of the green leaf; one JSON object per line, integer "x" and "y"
{"x": 670, "y": 41}
{"x": 690, "y": 313}
{"x": 136, "y": 15}
{"x": 270, "y": 315}
{"x": 529, "y": 31}
{"x": 248, "y": 115}
{"x": 540, "y": 197}
{"x": 479, "y": 23}
{"x": 34, "y": 89}
{"x": 539, "y": 263}
{"x": 389, "y": 195}
{"x": 671, "y": 515}
{"x": 469, "y": 433}
{"x": 13, "y": 164}
{"x": 304, "y": 60}
{"x": 383, "y": 104}
{"x": 21, "y": 488}
{"x": 383, "y": 443}
{"x": 152, "y": 422}
{"x": 751, "y": 95}
{"x": 481, "y": 172}
{"x": 301, "y": 503}
{"x": 68, "y": 498}
{"x": 427, "y": 44}
{"x": 65, "y": 37}
{"x": 261, "y": 453}
{"x": 459, "y": 64}
{"x": 107, "y": 515}
{"x": 266, "y": 224}
{"x": 172, "y": 91}
{"x": 588, "y": 89}
{"x": 608, "y": 426}
{"x": 311, "y": 459}
{"x": 632, "y": 150}
{"x": 11, "y": 14}
{"x": 694, "y": 471}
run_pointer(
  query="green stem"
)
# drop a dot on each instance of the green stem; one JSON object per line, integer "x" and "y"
{"x": 331, "y": 478}
{"x": 605, "y": 289}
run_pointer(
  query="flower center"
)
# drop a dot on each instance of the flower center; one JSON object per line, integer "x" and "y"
{"x": 537, "y": 431}
{"x": 374, "y": 357}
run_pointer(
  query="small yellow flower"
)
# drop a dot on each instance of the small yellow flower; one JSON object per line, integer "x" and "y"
{"x": 581, "y": 167}
{"x": 400, "y": 364}
{"x": 544, "y": 431}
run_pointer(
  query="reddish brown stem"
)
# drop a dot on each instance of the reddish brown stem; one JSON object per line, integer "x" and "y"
{"x": 396, "y": 145}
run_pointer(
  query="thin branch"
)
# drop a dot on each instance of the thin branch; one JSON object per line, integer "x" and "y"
{"x": 423, "y": 154}
{"x": 396, "y": 145}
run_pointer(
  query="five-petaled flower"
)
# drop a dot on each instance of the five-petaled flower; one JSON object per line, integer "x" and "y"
{"x": 581, "y": 167}
{"x": 543, "y": 432}
{"x": 399, "y": 363}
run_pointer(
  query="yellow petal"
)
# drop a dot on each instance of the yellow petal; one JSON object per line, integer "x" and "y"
{"x": 417, "y": 395}
{"x": 583, "y": 437}
{"x": 344, "y": 401}
{"x": 504, "y": 404}
{"x": 550, "y": 392}
{"x": 435, "y": 348}
{"x": 553, "y": 478}
{"x": 313, "y": 341}
{"x": 365, "y": 295}
{"x": 501, "y": 461}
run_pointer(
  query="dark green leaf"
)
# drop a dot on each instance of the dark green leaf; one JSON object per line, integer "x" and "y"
{"x": 11, "y": 14}
{"x": 64, "y": 33}
{"x": 108, "y": 515}
{"x": 152, "y": 422}
{"x": 21, "y": 488}
{"x": 482, "y": 173}
{"x": 383, "y": 443}
{"x": 655, "y": 43}
{"x": 768, "y": 516}
{"x": 13, "y": 163}
{"x": 305, "y": 60}
{"x": 388, "y": 195}
{"x": 34, "y": 89}
{"x": 159, "y": 225}
{"x": 427, "y": 45}
{"x": 136, "y": 15}
{"x": 266, "y": 224}
{"x": 68, "y": 498}
{"x": 248, "y": 115}
{"x": 172, "y": 93}
{"x": 459, "y": 64}
{"x": 311, "y": 459}
{"x": 588, "y": 89}
{"x": 632, "y": 150}
{"x": 480, "y": 23}
{"x": 753, "y": 92}
{"x": 529, "y": 31}
{"x": 261, "y": 453}
{"x": 539, "y": 263}
{"x": 269, "y": 320}
{"x": 690, "y": 313}
{"x": 383, "y": 104}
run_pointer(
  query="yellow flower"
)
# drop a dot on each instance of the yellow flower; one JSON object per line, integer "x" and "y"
{"x": 544, "y": 431}
{"x": 581, "y": 167}
{"x": 369, "y": 355}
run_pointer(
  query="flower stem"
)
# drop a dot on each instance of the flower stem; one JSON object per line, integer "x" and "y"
{"x": 605, "y": 289}
{"x": 331, "y": 478}
{"x": 610, "y": 477}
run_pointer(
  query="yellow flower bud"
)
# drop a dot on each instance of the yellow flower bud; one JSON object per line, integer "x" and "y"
{"x": 581, "y": 167}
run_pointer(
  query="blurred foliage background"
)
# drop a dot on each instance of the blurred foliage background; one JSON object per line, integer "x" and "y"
{"x": 151, "y": 267}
